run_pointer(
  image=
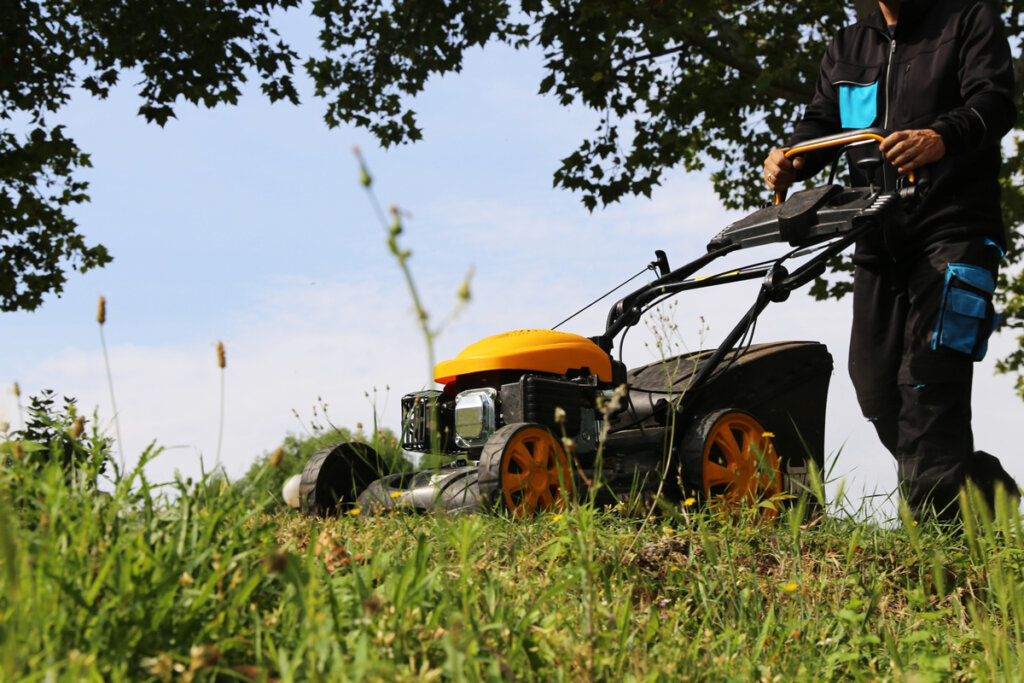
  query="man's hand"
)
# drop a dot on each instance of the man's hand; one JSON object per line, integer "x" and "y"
{"x": 780, "y": 172}
{"x": 911, "y": 149}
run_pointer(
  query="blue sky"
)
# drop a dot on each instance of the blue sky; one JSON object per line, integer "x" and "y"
{"x": 248, "y": 225}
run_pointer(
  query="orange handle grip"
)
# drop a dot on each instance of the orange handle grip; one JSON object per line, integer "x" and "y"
{"x": 850, "y": 138}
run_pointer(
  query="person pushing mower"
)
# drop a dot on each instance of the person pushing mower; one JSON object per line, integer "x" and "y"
{"x": 939, "y": 74}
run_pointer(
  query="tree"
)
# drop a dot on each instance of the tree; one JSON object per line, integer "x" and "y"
{"x": 200, "y": 51}
{"x": 703, "y": 84}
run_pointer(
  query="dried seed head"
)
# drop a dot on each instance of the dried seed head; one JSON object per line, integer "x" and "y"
{"x": 78, "y": 427}
{"x": 334, "y": 554}
{"x": 162, "y": 665}
{"x": 203, "y": 656}
{"x": 276, "y": 561}
{"x": 101, "y": 312}
{"x": 222, "y": 360}
{"x": 372, "y": 604}
{"x": 559, "y": 415}
{"x": 464, "y": 293}
{"x": 277, "y": 457}
{"x": 17, "y": 390}
{"x": 18, "y": 452}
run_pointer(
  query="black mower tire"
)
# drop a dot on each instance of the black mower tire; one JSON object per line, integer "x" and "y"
{"x": 712, "y": 458}
{"x": 335, "y": 476}
{"x": 520, "y": 448}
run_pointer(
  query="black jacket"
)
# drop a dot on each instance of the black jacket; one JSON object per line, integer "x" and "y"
{"x": 947, "y": 67}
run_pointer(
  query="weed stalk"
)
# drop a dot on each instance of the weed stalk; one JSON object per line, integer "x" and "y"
{"x": 101, "y": 319}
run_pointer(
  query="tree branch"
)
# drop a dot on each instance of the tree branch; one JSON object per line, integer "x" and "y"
{"x": 793, "y": 91}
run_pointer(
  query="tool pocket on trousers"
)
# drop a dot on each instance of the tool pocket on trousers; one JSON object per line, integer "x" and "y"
{"x": 967, "y": 317}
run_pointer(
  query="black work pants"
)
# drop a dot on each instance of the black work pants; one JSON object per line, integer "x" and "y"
{"x": 914, "y": 388}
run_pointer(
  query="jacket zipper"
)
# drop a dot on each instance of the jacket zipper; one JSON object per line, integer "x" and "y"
{"x": 888, "y": 82}
{"x": 885, "y": 124}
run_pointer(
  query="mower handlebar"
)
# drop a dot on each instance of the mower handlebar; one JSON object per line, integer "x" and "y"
{"x": 849, "y": 138}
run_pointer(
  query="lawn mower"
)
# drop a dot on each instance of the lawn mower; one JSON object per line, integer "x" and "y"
{"x": 531, "y": 418}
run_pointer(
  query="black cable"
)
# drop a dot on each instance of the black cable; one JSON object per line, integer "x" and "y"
{"x": 605, "y": 295}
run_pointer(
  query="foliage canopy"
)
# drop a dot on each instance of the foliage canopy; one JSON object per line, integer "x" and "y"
{"x": 702, "y": 85}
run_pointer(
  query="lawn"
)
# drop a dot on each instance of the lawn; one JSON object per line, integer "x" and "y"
{"x": 211, "y": 579}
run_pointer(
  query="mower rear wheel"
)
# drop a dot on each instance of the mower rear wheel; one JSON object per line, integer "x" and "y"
{"x": 524, "y": 467}
{"x": 728, "y": 457}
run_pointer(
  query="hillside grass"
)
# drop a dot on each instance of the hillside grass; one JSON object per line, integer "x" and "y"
{"x": 212, "y": 580}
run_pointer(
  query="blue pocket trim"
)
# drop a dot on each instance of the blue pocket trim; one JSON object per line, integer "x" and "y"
{"x": 975, "y": 276}
{"x": 990, "y": 243}
{"x": 858, "y": 104}
{"x": 966, "y": 317}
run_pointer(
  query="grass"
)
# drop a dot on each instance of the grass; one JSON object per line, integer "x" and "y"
{"x": 214, "y": 581}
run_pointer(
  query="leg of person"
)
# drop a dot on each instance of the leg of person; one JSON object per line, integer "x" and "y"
{"x": 935, "y": 444}
{"x": 880, "y": 306}
{"x": 947, "y": 325}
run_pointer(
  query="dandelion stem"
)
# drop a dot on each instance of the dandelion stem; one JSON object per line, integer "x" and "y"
{"x": 393, "y": 229}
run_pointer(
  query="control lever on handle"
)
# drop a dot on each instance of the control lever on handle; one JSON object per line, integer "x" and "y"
{"x": 869, "y": 167}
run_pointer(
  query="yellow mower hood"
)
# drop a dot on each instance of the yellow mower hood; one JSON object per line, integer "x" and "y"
{"x": 537, "y": 350}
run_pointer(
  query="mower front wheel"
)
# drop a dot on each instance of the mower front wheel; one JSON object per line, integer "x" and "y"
{"x": 336, "y": 475}
{"x": 523, "y": 467}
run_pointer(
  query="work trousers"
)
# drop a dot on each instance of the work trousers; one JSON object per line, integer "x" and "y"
{"x": 920, "y": 320}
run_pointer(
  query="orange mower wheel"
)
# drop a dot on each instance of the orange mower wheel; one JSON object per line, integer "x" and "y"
{"x": 728, "y": 458}
{"x": 523, "y": 467}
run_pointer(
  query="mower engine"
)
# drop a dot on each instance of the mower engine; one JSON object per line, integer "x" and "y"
{"x": 553, "y": 379}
